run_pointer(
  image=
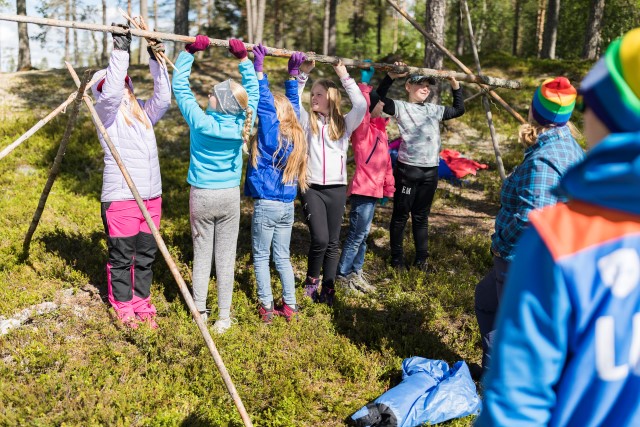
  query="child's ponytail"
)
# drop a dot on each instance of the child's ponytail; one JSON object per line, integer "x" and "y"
{"x": 246, "y": 130}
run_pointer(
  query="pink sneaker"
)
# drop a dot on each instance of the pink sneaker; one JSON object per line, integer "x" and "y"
{"x": 148, "y": 318}
{"x": 287, "y": 311}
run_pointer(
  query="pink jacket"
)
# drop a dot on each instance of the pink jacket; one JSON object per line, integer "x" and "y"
{"x": 373, "y": 176}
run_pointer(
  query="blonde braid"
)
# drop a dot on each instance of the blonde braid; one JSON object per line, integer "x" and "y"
{"x": 246, "y": 131}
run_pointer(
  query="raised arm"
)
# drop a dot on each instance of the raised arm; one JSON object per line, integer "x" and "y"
{"x": 457, "y": 109}
{"x": 160, "y": 101}
{"x": 361, "y": 132}
{"x": 186, "y": 100}
{"x": 303, "y": 76}
{"x": 112, "y": 90}
{"x": 383, "y": 88}
{"x": 291, "y": 85}
{"x": 358, "y": 104}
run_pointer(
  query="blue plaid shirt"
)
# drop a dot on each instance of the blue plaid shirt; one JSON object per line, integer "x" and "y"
{"x": 530, "y": 186}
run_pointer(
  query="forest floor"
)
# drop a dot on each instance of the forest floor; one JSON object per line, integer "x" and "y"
{"x": 71, "y": 363}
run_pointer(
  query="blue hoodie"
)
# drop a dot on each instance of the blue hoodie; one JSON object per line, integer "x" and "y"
{"x": 567, "y": 348}
{"x": 265, "y": 181}
{"x": 216, "y": 138}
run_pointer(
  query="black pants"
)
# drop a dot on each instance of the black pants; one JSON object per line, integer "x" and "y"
{"x": 323, "y": 208}
{"x": 415, "y": 188}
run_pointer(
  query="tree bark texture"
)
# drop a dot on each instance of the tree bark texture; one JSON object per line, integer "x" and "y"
{"x": 459, "y": 30}
{"x": 433, "y": 57}
{"x": 24, "y": 54}
{"x": 181, "y": 19}
{"x": 594, "y": 25}
{"x": 104, "y": 56}
{"x": 541, "y": 18}
{"x": 516, "y": 27}
{"x": 143, "y": 55}
{"x": 551, "y": 30}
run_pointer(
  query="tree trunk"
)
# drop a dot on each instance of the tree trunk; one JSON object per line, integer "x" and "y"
{"x": 433, "y": 57}
{"x": 143, "y": 55}
{"x": 155, "y": 15}
{"x": 277, "y": 34}
{"x": 76, "y": 47}
{"x": 459, "y": 31}
{"x": 130, "y": 5}
{"x": 211, "y": 7}
{"x": 24, "y": 54}
{"x": 379, "y": 27}
{"x": 516, "y": 27}
{"x": 333, "y": 10}
{"x": 551, "y": 30}
{"x": 250, "y": 21}
{"x": 181, "y": 20}
{"x": 254, "y": 18}
{"x": 592, "y": 38}
{"x": 541, "y": 18}
{"x": 67, "y": 31}
{"x": 325, "y": 27}
{"x": 104, "y": 57}
{"x": 260, "y": 19}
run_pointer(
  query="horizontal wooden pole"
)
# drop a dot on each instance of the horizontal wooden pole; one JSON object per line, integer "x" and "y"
{"x": 440, "y": 74}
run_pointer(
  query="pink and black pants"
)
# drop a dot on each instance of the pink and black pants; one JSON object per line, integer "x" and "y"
{"x": 132, "y": 250}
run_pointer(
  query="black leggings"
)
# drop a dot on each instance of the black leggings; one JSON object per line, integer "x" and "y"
{"x": 415, "y": 188}
{"x": 323, "y": 207}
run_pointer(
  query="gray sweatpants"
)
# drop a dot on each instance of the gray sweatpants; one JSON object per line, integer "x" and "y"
{"x": 215, "y": 220}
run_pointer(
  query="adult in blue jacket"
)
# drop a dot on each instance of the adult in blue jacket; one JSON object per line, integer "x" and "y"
{"x": 567, "y": 347}
{"x": 278, "y": 164}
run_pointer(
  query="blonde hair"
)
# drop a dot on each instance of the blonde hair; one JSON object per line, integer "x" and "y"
{"x": 337, "y": 126}
{"x": 242, "y": 97}
{"x": 528, "y": 133}
{"x": 135, "y": 110}
{"x": 289, "y": 133}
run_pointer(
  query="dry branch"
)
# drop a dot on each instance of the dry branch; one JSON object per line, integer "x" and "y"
{"x": 467, "y": 76}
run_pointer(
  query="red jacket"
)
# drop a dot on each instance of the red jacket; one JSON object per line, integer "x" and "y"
{"x": 374, "y": 175}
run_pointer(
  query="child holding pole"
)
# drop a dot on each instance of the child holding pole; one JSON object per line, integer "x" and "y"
{"x": 372, "y": 181}
{"x": 277, "y": 165}
{"x": 129, "y": 123}
{"x": 328, "y": 133}
{"x": 215, "y": 168}
{"x": 416, "y": 172}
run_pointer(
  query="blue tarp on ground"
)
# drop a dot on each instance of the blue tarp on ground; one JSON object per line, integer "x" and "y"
{"x": 430, "y": 392}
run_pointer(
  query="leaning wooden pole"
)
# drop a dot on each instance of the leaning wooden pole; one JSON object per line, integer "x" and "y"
{"x": 485, "y": 100}
{"x": 55, "y": 169}
{"x": 467, "y": 76}
{"x": 168, "y": 259}
{"x": 28, "y": 134}
{"x": 453, "y": 58}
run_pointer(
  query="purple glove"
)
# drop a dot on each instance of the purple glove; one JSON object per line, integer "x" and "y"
{"x": 259, "y": 52}
{"x": 237, "y": 49}
{"x": 201, "y": 43}
{"x": 297, "y": 58}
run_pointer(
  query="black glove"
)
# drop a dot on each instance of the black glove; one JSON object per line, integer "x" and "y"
{"x": 154, "y": 49}
{"x": 121, "y": 41}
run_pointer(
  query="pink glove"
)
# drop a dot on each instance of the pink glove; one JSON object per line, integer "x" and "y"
{"x": 201, "y": 43}
{"x": 237, "y": 49}
{"x": 297, "y": 58}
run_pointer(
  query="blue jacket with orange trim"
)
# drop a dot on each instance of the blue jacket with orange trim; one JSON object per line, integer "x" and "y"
{"x": 567, "y": 350}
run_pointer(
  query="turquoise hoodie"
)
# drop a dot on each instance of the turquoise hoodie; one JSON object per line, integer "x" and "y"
{"x": 216, "y": 138}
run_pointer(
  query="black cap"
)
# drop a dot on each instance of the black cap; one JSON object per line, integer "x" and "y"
{"x": 419, "y": 78}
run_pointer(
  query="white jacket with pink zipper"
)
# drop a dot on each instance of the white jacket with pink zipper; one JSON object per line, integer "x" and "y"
{"x": 327, "y": 159}
{"x": 135, "y": 143}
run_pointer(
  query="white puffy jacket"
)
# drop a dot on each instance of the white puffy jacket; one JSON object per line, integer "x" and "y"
{"x": 327, "y": 162}
{"x": 136, "y": 144}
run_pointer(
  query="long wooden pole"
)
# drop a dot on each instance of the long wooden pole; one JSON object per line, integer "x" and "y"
{"x": 467, "y": 76}
{"x": 485, "y": 101}
{"x": 55, "y": 169}
{"x": 28, "y": 134}
{"x": 453, "y": 58}
{"x": 168, "y": 259}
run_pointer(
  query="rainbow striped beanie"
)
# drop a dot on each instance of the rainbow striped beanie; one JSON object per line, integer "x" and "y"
{"x": 612, "y": 88}
{"x": 553, "y": 102}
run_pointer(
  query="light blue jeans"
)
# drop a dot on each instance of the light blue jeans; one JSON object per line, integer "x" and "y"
{"x": 271, "y": 227}
{"x": 355, "y": 245}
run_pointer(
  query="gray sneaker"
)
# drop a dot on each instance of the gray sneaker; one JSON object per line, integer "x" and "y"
{"x": 360, "y": 281}
{"x": 346, "y": 284}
